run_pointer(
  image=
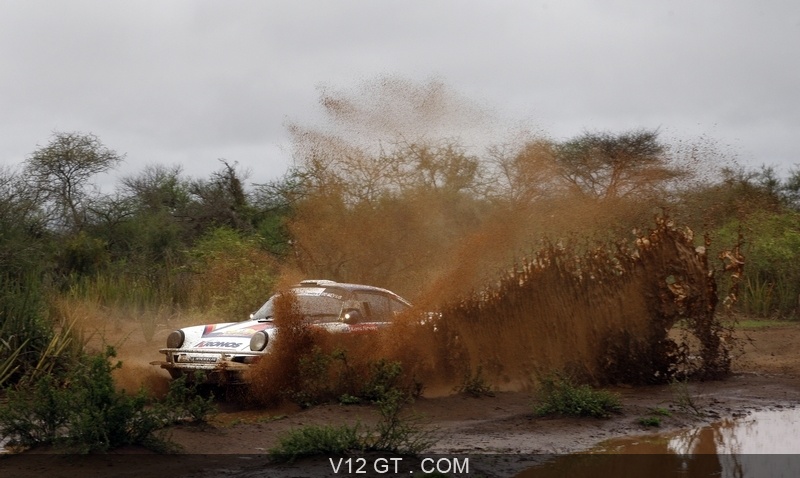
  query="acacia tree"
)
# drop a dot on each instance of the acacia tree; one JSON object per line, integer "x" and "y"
{"x": 632, "y": 164}
{"x": 60, "y": 172}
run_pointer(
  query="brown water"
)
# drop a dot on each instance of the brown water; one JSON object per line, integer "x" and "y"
{"x": 765, "y": 443}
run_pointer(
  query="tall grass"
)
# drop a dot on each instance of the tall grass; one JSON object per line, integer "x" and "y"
{"x": 121, "y": 290}
{"x": 125, "y": 297}
{"x": 8, "y": 362}
{"x": 770, "y": 280}
{"x": 758, "y": 297}
{"x": 30, "y": 344}
{"x": 765, "y": 298}
{"x": 226, "y": 277}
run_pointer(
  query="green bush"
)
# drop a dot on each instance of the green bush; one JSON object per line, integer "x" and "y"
{"x": 82, "y": 411}
{"x": 105, "y": 418}
{"x": 393, "y": 434}
{"x": 185, "y": 402}
{"x": 314, "y": 385}
{"x": 36, "y": 414}
{"x": 317, "y": 440}
{"x": 383, "y": 380}
{"x": 650, "y": 421}
{"x": 559, "y": 395}
{"x": 475, "y": 385}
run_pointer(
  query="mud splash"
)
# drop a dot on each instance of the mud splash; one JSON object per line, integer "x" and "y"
{"x": 603, "y": 315}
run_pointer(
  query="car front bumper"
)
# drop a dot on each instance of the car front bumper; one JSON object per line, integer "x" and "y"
{"x": 218, "y": 366}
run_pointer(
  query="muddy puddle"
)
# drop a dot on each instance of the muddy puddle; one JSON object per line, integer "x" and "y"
{"x": 764, "y": 443}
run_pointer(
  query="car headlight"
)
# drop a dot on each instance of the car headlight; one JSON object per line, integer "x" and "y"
{"x": 175, "y": 339}
{"x": 259, "y": 341}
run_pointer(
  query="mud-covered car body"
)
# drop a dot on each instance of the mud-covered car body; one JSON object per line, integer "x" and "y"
{"x": 222, "y": 352}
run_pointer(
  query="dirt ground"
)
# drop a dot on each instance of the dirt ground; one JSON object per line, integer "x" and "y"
{"x": 766, "y": 375}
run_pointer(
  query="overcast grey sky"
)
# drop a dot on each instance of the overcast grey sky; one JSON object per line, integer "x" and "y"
{"x": 188, "y": 82}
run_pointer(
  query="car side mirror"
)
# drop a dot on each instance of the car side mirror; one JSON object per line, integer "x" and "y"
{"x": 351, "y": 316}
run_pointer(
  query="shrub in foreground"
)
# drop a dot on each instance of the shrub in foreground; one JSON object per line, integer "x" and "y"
{"x": 559, "y": 395}
{"x": 393, "y": 434}
{"x": 317, "y": 440}
{"x": 650, "y": 421}
{"x": 475, "y": 385}
{"x": 81, "y": 410}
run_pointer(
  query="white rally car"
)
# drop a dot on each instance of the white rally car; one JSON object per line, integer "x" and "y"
{"x": 224, "y": 351}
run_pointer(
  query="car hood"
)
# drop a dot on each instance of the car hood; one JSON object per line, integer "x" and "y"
{"x": 230, "y": 336}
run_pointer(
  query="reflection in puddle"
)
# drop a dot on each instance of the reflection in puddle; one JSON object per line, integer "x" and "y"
{"x": 761, "y": 444}
{"x": 771, "y": 432}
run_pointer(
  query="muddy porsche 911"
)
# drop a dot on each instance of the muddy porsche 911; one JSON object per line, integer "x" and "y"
{"x": 223, "y": 352}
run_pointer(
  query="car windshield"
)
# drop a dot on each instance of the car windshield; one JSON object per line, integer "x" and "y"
{"x": 318, "y": 303}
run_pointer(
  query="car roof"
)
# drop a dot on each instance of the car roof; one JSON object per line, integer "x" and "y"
{"x": 345, "y": 286}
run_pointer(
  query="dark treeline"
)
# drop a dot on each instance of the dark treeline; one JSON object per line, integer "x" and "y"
{"x": 426, "y": 217}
